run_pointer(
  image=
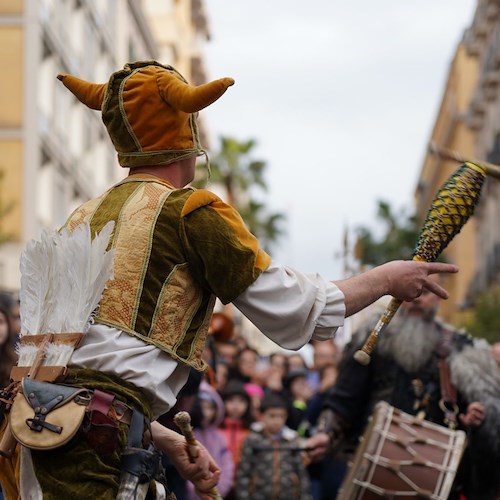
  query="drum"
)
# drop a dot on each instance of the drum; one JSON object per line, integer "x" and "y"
{"x": 400, "y": 456}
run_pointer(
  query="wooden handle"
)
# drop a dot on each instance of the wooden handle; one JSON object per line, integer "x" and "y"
{"x": 363, "y": 356}
{"x": 450, "y": 154}
{"x": 183, "y": 421}
{"x": 8, "y": 443}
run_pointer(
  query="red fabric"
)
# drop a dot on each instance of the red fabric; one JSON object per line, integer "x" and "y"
{"x": 235, "y": 434}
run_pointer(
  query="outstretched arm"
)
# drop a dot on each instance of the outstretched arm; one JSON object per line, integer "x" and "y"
{"x": 403, "y": 279}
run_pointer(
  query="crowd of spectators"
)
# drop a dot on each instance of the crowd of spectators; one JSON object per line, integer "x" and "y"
{"x": 253, "y": 410}
{"x": 10, "y": 326}
{"x": 290, "y": 389}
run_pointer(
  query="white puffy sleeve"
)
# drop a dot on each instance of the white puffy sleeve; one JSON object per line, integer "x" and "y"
{"x": 291, "y": 307}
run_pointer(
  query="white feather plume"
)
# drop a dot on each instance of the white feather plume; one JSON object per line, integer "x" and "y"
{"x": 88, "y": 266}
{"x": 27, "y": 354}
{"x": 57, "y": 354}
{"x": 55, "y": 310}
{"x": 63, "y": 277}
{"x": 36, "y": 268}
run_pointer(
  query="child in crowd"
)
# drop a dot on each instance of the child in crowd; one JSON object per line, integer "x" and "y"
{"x": 279, "y": 362}
{"x": 221, "y": 374}
{"x": 236, "y": 424}
{"x": 299, "y": 393}
{"x": 271, "y": 377}
{"x": 208, "y": 434}
{"x": 271, "y": 465}
{"x": 296, "y": 362}
{"x": 256, "y": 394}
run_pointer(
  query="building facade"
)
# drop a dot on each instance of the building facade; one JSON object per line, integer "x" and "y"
{"x": 483, "y": 41}
{"x": 451, "y": 131}
{"x": 54, "y": 152}
{"x": 468, "y": 122}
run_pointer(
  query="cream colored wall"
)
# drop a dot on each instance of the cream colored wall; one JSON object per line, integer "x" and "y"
{"x": 173, "y": 30}
{"x": 11, "y": 7}
{"x": 11, "y": 161}
{"x": 485, "y": 116}
{"x": 11, "y": 103}
{"x": 456, "y": 135}
{"x": 11, "y": 117}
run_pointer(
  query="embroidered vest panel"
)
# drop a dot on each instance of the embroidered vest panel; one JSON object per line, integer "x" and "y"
{"x": 154, "y": 294}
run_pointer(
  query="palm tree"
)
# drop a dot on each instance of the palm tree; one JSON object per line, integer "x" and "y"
{"x": 397, "y": 242}
{"x": 485, "y": 321}
{"x": 233, "y": 168}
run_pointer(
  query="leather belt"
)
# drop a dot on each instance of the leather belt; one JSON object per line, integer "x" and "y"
{"x": 108, "y": 405}
{"x": 121, "y": 411}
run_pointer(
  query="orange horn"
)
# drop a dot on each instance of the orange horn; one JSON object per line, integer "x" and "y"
{"x": 187, "y": 98}
{"x": 91, "y": 94}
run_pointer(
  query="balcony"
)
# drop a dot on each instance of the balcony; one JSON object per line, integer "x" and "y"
{"x": 492, "y": 11}
{"x": 477, "y": 112}
{"x": 492, "y": 78}
{"x": 481, "y": 28}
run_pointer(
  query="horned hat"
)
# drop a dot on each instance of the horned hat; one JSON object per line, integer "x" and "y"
{"x": 149, "y": 110}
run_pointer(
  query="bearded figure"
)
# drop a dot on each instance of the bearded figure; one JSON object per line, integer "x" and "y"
{"x": 405, "y": 372}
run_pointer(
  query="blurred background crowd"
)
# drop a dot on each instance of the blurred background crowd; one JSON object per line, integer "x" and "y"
{"x": 243, "y": 384}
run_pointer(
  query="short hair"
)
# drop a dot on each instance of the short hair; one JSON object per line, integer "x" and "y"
{"x": 273, "y": 400}
{"x": 290, "y": 377}
{"x": 7, "y": 301}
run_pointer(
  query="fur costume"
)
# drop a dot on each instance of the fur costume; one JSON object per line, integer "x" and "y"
{"x": 404, "y": 372}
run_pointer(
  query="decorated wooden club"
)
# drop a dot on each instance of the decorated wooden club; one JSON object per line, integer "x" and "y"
{"x": 451, "y": 208}
{"x": 183, "y": 421}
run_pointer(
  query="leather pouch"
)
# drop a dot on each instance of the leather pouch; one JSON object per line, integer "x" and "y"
{"x": 46, "y": 416}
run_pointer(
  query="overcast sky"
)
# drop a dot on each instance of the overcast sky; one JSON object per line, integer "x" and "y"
{"x": 341, "y": 97}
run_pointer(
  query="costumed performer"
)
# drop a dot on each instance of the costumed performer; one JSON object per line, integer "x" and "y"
{"x": 406, "y": 371}
{"x": 176, "y": 250}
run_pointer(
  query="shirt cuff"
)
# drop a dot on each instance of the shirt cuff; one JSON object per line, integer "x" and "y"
{"x": 291, "y": 307}
{"x": 333, "y": 313}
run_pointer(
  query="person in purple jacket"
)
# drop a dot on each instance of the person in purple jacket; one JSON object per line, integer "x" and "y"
{"x": 208, "y": 434}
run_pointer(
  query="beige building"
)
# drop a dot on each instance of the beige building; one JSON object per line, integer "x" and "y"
{"x": 181, "y": 29}
{"x": 468, "y": 122}
{"x": 452, "y": 131}
{"x": 483, "y": 40}
{"x": 54, "y": 152}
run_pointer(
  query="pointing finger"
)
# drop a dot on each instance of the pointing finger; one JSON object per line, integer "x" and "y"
{"x": 441, "y": 267}
{"x": 433, "y": 287}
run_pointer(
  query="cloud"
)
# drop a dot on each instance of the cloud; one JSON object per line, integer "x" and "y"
{"x": 341, "y": 98}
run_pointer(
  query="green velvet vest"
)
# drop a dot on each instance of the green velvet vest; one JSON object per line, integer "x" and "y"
{"x": 168, "y": 264}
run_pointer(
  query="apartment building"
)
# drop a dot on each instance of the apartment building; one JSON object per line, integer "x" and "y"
{"x": 483, "y": 41}
{"x": 468, "y": 122}
{"x": 452, "y": 131}
{"x": 54, "y": 152}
